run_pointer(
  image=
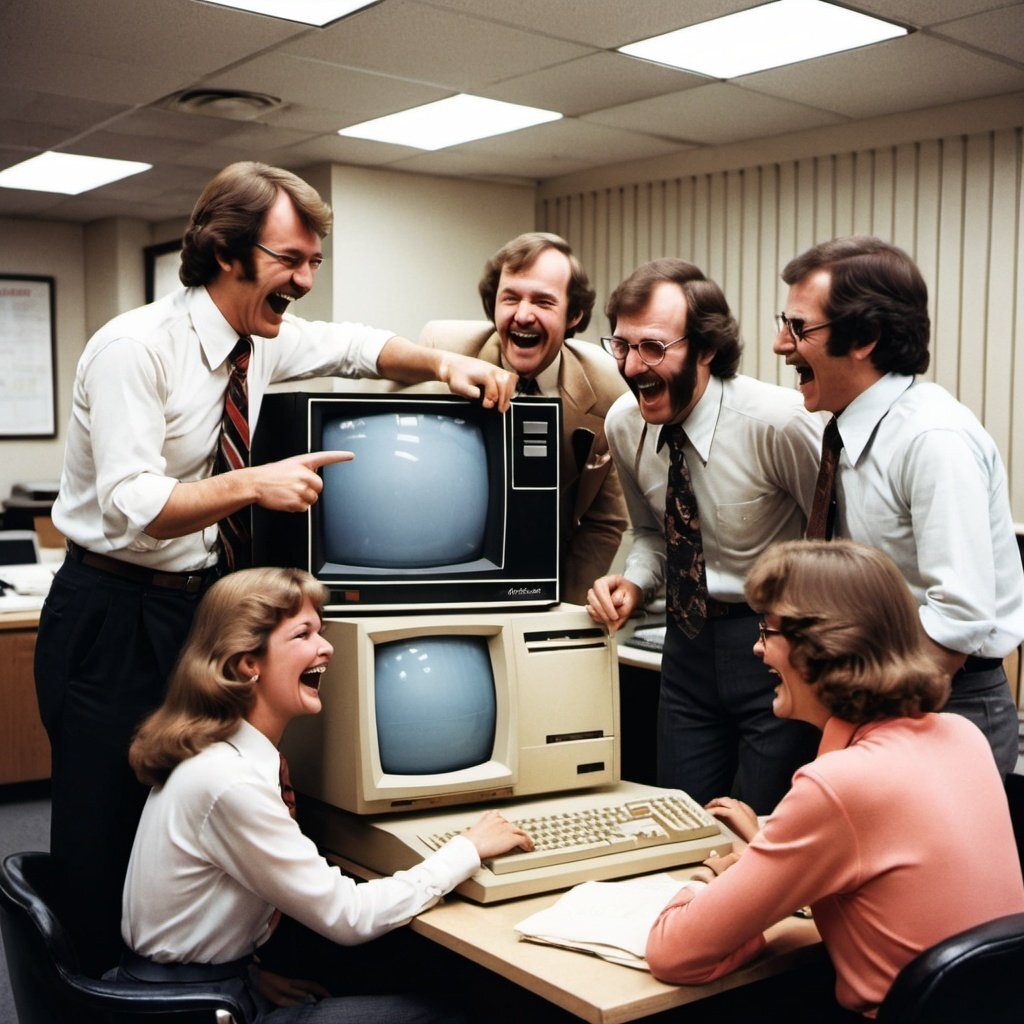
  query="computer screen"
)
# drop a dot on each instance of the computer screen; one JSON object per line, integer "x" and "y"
{"x": 446, "y": 504}
{"x": 421, "y": 711}
{"x": 431, "y": 464}
{"x": 446, "y": 681}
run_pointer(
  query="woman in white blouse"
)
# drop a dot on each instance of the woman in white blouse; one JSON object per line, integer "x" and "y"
{"x": 218, "y": 857}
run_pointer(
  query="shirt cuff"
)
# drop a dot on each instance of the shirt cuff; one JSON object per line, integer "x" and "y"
{"x": 453, "y": 863}
{"x": 140, "y": 500}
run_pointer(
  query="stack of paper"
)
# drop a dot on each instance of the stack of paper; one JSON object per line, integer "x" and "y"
{"x": 607, "y": 919}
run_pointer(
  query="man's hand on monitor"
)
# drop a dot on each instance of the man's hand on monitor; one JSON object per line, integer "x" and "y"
{"x": 292, "y": 485}
{"x": 611, "y": 601}
{"x": 474, "y": 378}
{"x": 493, "y": 835}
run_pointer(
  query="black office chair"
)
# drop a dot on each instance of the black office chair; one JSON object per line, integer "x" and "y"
{"x": 47, "y": 983}
{"x": 971, "y": 976}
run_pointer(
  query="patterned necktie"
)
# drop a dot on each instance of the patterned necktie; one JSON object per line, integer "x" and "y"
{"x": 686, "y": 582}
{"x": 527, "y": 386}
{"x": 822, "y": 520}
{"x": 233, "y": 453}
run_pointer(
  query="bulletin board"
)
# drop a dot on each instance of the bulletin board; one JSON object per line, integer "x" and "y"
{"x": 28, "y": 379}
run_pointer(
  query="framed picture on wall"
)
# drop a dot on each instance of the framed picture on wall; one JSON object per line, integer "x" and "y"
{"x": 162, "y": 262}
{"x": 28, "y": 383}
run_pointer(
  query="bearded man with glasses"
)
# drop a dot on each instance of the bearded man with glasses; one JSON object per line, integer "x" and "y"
{"x": 728, "y": 469}
{"x": 915, "y": 474}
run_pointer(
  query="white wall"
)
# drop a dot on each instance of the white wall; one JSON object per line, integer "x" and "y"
{"x": 55, "y": 250}
{"x": 408, "y": 248}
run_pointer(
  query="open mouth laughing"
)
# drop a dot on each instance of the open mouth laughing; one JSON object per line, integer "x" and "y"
{"x": 525, "y": 339}
{"x": 312, "y": 677}
{"x": 279, "y": 302}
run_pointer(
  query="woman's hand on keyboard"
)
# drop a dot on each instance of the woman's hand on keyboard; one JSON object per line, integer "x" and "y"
{"x": 740, "y": 817}
{"x": 493, "y": 835}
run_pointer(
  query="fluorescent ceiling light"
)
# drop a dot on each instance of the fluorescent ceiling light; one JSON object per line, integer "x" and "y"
{"x": 309, "y": 12}
{"x": 67, "y": 173}
{"x": 764, "y": 37}
{"x": 448, "y": 122}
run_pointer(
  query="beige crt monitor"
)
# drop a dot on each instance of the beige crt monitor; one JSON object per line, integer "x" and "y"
{"x": 425, "y": 715}
{"x": 537, "y": 702}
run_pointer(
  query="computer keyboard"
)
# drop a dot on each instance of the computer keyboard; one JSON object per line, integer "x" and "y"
{"x": 599, "y": 831}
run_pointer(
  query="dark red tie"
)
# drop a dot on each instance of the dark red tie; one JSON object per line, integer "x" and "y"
{"x": 287, "y": 790}
{"x": 233, "y": 453}
{"x": 686, "y": 584}
{"x": 822, "y": 520}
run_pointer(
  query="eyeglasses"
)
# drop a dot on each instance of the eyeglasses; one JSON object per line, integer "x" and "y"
{"x": 764, "y": 631}
{"x": 650, "y": 351}
{"x": 797, "y": 327}
{"x": 290, "y": 261}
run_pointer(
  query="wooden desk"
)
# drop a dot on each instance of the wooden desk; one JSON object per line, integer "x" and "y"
{"x": 590, "y": 988}
{"x": 24, "y": 748}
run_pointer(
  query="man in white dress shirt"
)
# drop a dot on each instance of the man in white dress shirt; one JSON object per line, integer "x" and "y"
{"x": 918, "y": 476}
{"x": 751, "y": 453}
{"x": 140, "y": 499}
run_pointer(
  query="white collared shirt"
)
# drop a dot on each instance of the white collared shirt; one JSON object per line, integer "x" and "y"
{"x": 752, "y": 451}
{"x": 216, "y": 852}
{"x": 921, "y": 479}
{"x": 146, "y": 413}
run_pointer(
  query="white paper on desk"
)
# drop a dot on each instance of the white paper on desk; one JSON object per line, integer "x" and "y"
{"x": 607, "y": 919}
{"x": 30, "y": 579}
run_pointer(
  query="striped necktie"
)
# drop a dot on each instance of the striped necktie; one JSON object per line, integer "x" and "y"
{"x": 822, "y": 520}
{"x": 233, "y": 453}
{"x": 686, "y": 584}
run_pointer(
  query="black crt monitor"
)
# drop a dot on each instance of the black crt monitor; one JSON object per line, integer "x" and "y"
{"x": 447, "y": 505}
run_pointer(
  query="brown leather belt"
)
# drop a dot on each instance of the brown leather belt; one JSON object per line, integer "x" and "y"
{"x": 190, "y": 582}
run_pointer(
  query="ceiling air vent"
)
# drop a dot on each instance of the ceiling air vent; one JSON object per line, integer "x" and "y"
{"x": 234, "y": 104}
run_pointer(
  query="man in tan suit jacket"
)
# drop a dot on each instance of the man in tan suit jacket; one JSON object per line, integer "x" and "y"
{"x": 537, "y": 296}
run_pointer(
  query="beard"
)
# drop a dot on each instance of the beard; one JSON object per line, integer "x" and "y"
{"x": 680, "y": 387}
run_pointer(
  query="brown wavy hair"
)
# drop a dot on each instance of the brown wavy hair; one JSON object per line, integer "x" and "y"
{"x": 521, "y": 253}
{"x": 228, "y": 217}
{"x": 853, "y": 628}
{"x": 710, "y": 325}
{"x": 208, "y": 694}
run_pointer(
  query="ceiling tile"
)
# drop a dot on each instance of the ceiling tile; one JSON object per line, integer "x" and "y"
{"x": 714, "y": 114}
{"x": 902, "y": 74}
{"x": 157, "y": 123}
{"x": 598, "y": 24}
{"x": 576, "y": 140}
{"x": 199, "y": 38}
{"x": 523, "y": 169}
{"x": 129, "y": 147}
{"x": 15, "y": 202}
{"x": 925, "y": 12}
{"x": 334, "y": 148}
{"x": 590, "y": 83}
{"x": 33, "y": 136}
{"x": 428, "y": 44}
{"x": 350, "y": 94}
{"x": 999, "y": 31}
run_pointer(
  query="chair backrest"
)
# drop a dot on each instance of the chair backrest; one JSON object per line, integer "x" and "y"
{"x": 46, "y": 981}
{"x": 971, "y": 976}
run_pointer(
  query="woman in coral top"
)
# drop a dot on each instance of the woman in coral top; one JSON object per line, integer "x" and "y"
{"x": 882, "y": 833}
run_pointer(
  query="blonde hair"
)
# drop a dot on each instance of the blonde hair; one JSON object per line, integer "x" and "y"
{"x": 208, "y": 693}
{"x": 853, "y": 628}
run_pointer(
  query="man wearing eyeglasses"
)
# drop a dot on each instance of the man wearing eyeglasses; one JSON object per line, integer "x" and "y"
{"x": 917, "y": 475}
{"x": 155, "y": 473}
{"x": 750, "y": 452}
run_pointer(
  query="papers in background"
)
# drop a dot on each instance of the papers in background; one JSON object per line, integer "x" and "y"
{"x": 606, "y": 919}
{"x": 29, "y": 579}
